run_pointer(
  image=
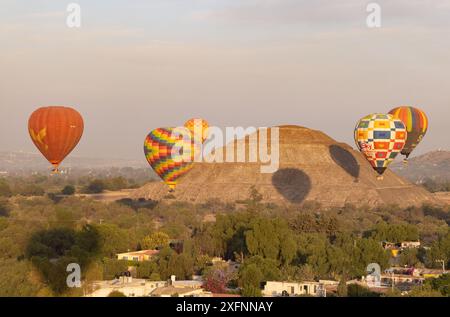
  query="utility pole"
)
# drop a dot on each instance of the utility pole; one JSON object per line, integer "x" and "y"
{"x": 443, "y": 265}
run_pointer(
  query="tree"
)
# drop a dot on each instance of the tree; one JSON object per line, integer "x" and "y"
{"x": 30, "y": 190}
{"x": 5, "y": 190}
{"x": 440, "y": 251}
{"x": 251, "y": 291}
{"x": 342, "y": 289}
{"x": 17, "y": 279}
{"x": 116, "y": 183}
{"x": 268, "y": 267}
{"x": 113, "y": 267}
{"x": 155, "y": 277}
{"x": 408, "y": 257}
{"x": 216, "y": 281}
{"x": 355, "y": 290}
{"x": 68, "y": 190}
{"x": 96, "y": 186}
{"x": 155, "y": 240}
{"x": 112, "y": 240}
{"x": 441, "y": 284}
{"x": 145, "y": 269}
{"x": 250, "y": 276}
{"x": 394, "y": 233}
{"x": 271, "y": 238}
{"x": 5, "y": 208}
{"x": 312, "y": 250}
{"x": 424, "y": 291}
{"x": 181, "y": 265}
{"x": 116, "y": 294}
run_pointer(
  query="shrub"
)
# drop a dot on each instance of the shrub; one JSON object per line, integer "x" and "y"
{"x": 5, "y": 190}
{"x": 116, "y": 294}
{"x": 69, "y": 190}
{"x": 96, "y": 186}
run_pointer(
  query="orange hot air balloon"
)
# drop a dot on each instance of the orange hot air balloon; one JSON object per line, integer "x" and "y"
{"x": 55, "y": 131}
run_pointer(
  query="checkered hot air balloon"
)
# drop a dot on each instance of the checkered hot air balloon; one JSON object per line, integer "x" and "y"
{"x": 168, "y": 152}
{"x": 416, "y": 123}
{"x": 380, "y": 137}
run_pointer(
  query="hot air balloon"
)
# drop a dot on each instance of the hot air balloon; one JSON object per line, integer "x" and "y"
{"x": 168, "y": 162}
{"x": 199, "y": 130}
{"x": 380, "y": 137}
{"x": 198, "y": 126}
{"x": 416, "y": 123}
{"x": 55, "y": 131}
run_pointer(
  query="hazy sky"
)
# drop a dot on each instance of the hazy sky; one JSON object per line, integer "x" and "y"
{"x": 135, "y": 65}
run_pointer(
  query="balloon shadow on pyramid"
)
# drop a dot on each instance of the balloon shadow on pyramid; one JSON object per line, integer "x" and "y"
{"x": 292, "y": 183}
{"x": 345, "y": 160}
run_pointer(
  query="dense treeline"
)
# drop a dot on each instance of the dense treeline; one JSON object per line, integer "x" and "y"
{"x": 39, "y": 236}
{"x": 40, "y": 185}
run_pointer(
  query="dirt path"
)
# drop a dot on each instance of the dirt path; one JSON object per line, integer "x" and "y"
{"x": 108, "y": 196}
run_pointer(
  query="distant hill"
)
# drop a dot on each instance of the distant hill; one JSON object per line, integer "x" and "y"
{"x": 313, "y": 167}
{"x": 433, "y": 165}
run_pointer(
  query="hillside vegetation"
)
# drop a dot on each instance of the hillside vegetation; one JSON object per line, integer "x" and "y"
{"x": 39, "y": 236}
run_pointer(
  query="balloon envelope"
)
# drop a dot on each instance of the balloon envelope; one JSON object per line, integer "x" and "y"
{"x": 380, "y": 137}
{"x": 160, "y": 152}
{"x": 55, "y": 131}
{"x": 198, "y": 126}
{"x": 416, "y": 123}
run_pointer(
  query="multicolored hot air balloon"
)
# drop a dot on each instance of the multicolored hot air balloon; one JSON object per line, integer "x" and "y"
{"x": 198, "y": 125}
{"x": 199, "y": 130}
{"x": 380, "y": 137}
{"x": 416, "y": 123}
{"x": 55, "y": 131}
{"x": 168, "y": 162}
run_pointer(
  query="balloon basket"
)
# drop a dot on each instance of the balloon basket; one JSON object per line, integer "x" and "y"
{"x": 380, "y": 177}
{"x": 405, "y": 162}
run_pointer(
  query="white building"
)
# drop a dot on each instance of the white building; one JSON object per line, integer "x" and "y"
{"x": 274, "y": 289}
{"x": 128, "y": 286}
{"x": 182, "y": 288}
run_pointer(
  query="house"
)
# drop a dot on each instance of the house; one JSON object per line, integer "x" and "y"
{"x": 418, "y": 272}
{"x": 172, "y": 291}
{"x": 403, "y": 282}
{"x": 428, "y": 273}
{"x": 274, "y": 289}
{"x": 230, "y": 266}
{"x": 137, "y": 256}
{"x": 181, "y": 288}
{"x": 129, "y": 287}
{"x": 402, "y": 245}
{"x": 143, "y": 288}
{"x": 409, "y": 245}
{"x": 185, "y": 283}
{"x": 388, "y": 245}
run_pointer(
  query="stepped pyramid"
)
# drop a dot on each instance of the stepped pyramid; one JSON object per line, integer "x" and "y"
{"x": 313, "y": 167}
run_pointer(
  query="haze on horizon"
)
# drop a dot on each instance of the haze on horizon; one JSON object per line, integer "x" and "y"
{"x": 137, "y": 65}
